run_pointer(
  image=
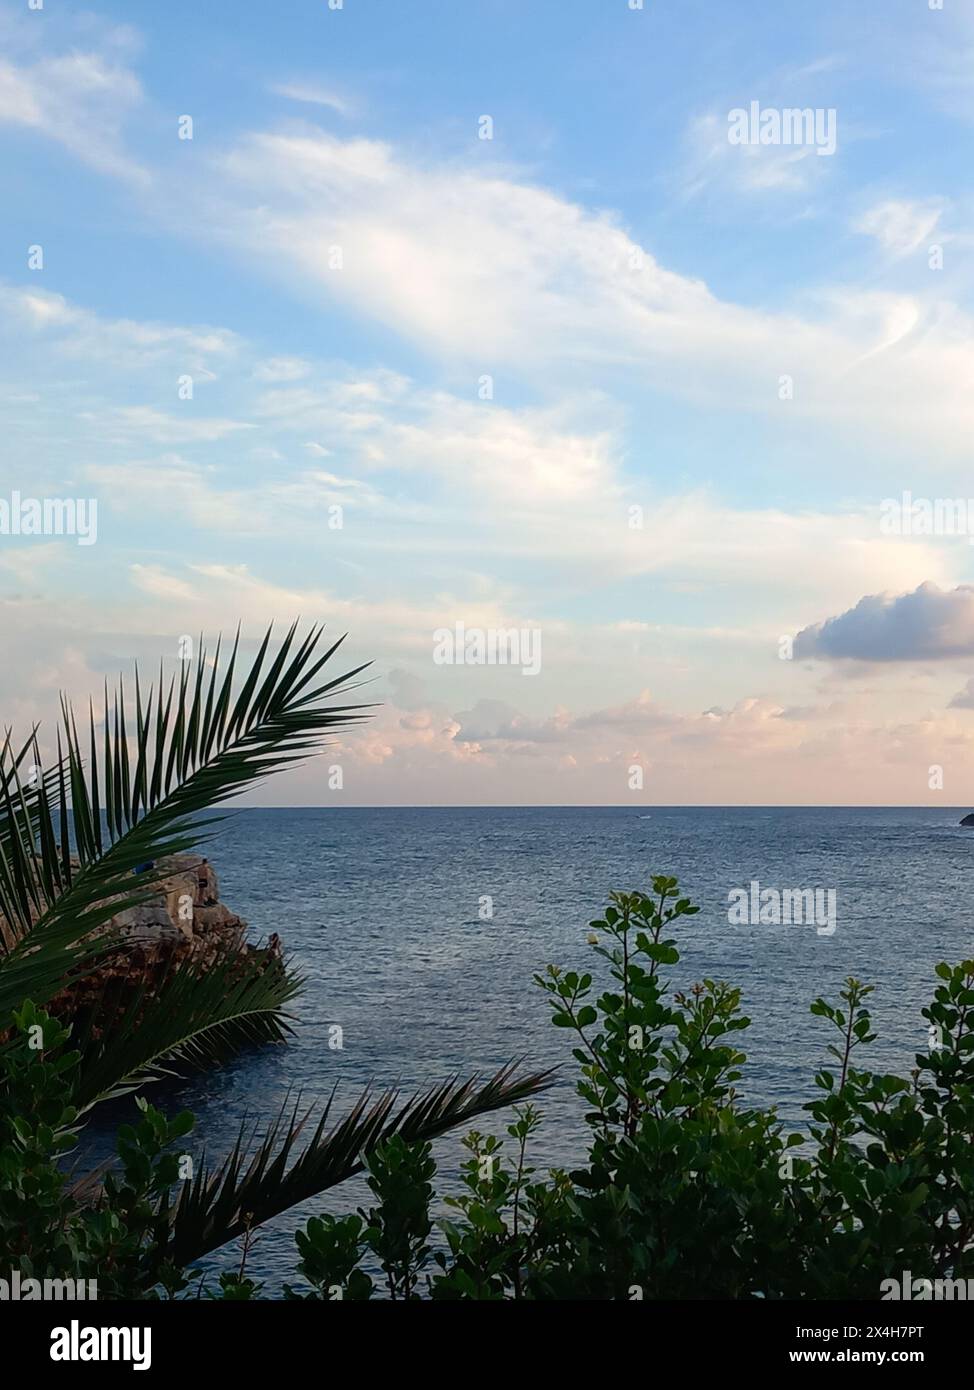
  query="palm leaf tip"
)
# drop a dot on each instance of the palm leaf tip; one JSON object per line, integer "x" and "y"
{"x": 245, "y": 1191}
{"x": 136, "y": 786}
{"x": 196, "y": 1015}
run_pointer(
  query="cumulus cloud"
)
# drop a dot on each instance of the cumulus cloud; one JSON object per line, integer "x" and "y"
{"x": 422, "y": 746}
{"x": 494, "y": 721}
{"x": 756, "y": 751}
{"x": 928, "y": 624}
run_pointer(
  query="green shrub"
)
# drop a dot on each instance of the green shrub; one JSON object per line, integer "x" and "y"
{"x": 51, "y": 1228}
{"x": 686, "y": 1192}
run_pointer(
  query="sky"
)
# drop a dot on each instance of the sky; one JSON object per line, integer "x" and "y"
{"x": 541, "y": 319}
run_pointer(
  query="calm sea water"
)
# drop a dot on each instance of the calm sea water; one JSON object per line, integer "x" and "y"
{"x": 380, "y": 910}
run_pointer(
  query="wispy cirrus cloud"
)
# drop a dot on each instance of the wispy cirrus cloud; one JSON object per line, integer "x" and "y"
{"x": 900, "y": 225}
{"x": 632, "y": 370}
{"x": 456, "y": 261}
{"x": 78, "y": 333}
{"x": 312, "y": 94}
{"x": 80, "y": 101}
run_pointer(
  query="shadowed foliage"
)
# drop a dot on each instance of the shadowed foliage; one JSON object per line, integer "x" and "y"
{"x": 247, "y": 1189}
{"x": 77, "y": 842}
{"x": 82, "y": 841}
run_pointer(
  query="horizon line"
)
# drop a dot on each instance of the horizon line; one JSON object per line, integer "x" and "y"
{"x": 614, "y": 806}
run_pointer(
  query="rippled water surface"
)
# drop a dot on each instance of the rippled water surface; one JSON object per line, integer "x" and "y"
{"x": 379, "y": 909}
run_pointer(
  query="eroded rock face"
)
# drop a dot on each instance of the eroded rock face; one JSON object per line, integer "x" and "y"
{"x": 185, "y": 906}
{"x": 183, "y": 923}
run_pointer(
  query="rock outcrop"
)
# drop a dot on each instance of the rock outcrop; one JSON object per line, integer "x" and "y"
{"x": 185, "y": 907}
{"x": 183, "y": 923}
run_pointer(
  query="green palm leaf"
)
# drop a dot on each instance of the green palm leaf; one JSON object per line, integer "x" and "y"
{"x": 74, "y": 844}
{"x": 21, "y": 822}
{"x": 127, "y": 800}
{"x": 197, "y": 1016}
{"x": 244, "y": 1191}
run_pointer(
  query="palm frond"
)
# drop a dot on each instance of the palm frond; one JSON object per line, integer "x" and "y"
{"x": 19, "y": 812}
{"x": 73, "y": 849}
{"x": 198, "y": 1015}
{"x": 245, "y": 1191}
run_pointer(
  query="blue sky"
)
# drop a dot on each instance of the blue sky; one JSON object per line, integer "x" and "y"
{"x": 635, "y": 287}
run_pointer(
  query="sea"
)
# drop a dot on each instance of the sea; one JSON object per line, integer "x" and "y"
{"x": 419, "y": 930}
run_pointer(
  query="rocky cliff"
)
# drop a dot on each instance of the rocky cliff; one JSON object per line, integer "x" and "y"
{"x": 184, "y": 922}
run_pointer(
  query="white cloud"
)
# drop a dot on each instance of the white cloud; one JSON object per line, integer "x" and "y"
{"x": 713, "y": 166}
{"x": 152, "y": 580}
{"x": 205, "y": 497}
{"x": 139, "y": 422}
{"x": 459, "y": 262}
{"x": 310, "y": 93}
{"x": 900, "y": 225}
{"x": 282, "y": 369}
{"x": 79, "y": 100}
{"x": 519, "y": 487}
{"x": 89, "y": 337}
